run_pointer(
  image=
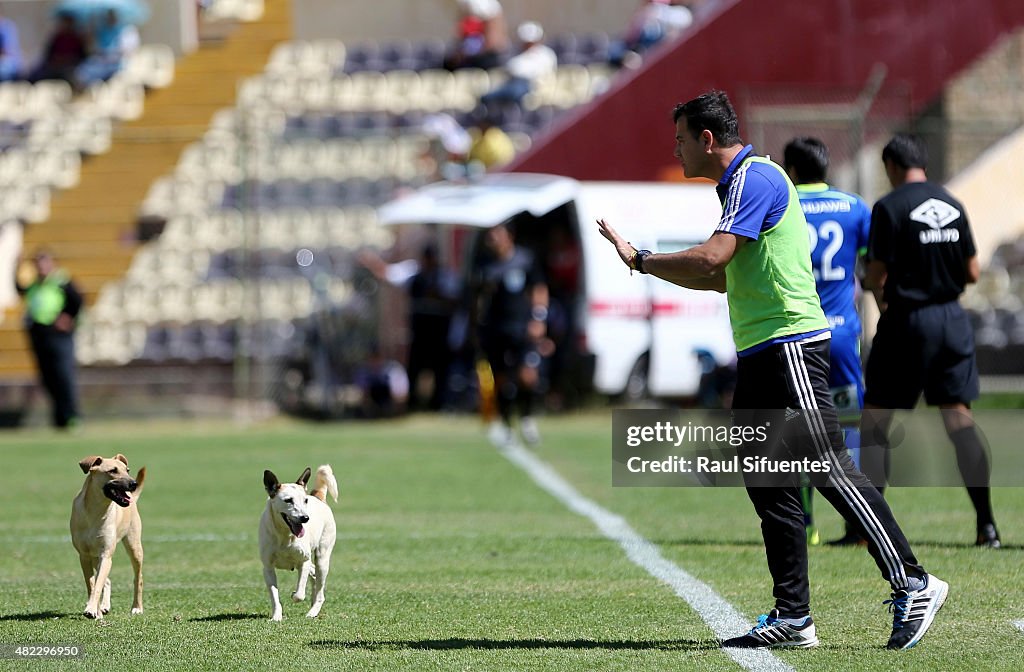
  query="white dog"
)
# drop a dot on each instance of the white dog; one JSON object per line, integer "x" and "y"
{"x": 297, "y": 531}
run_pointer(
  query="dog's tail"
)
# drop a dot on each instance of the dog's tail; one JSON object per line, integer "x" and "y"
{"x": 140, "y": 478}
{"x": 324, "y": 483}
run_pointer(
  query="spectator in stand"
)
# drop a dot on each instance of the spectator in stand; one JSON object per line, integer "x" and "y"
{"x": 492, "y": 148}
{"x": 652, "y": 22}
{"x": 534, "y": 61}
{"x": 112, "y": 43}
{"x": 10, "y": 50}
{"x": 447, "y": 155}
{"x": 64, "y": 52}
{"x": 481, "y": 36}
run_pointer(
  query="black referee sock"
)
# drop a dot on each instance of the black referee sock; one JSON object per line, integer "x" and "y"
{"x": 974, "y": 468}
{"x": 506, "y": 398}
{"x": 527, "y": 398}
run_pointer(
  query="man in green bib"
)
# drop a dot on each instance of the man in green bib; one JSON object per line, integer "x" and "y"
{"x": 51, "y": 305}
{"x": 759, "y": 255}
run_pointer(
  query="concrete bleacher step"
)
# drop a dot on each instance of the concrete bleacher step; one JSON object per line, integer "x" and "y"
{"x": 91, "y": 226}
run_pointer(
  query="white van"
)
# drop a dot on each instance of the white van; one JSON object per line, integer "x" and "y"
{"x": 637, "y": 335}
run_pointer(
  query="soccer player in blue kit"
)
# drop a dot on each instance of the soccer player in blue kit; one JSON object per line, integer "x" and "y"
{"x": 838, "y": 224}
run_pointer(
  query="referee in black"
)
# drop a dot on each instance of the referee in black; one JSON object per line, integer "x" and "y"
{"x": 921, "y": 255}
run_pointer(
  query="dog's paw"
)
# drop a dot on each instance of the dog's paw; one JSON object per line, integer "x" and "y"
{"x": 136, "y": 611}
{"x": 94, "y": 614}
{"x": 105, "y": 610}
{"x": 298, "y": 598}
{"x": 276, "y": 618}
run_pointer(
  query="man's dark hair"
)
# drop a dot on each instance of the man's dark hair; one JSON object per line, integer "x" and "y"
{"x": 713, "y": 112}
{"x": 808, "y": 157}
{"x": 906, "y": 151}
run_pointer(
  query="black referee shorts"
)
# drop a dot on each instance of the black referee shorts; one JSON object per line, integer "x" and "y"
{"x": 929, "y": 348}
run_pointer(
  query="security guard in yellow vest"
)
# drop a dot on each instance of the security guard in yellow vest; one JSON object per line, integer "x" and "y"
{"x": 51, "y": 305}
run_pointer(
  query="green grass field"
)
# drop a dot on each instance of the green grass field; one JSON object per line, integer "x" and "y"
{"x": 450, "y": 558}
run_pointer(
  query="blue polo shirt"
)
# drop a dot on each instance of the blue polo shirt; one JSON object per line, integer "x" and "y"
{"x": 753, "y": 202}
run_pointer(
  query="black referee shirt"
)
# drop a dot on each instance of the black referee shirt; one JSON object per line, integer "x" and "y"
{"x": 922, "y": 235}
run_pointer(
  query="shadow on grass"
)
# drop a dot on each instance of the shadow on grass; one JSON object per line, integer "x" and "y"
{"x": 35, "y": 616}
{"x": 754, "y": 543}
{"x": 213, "y": 618}
{"x": 965, "y": 545}
{"x": 460, "y": 643}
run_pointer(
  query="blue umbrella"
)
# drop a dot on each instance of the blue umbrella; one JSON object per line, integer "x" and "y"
{"x": 85, "y": 11}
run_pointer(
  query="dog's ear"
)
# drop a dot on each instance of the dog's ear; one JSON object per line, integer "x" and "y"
{"x": 87, "y": 463}
{"x": 122, "y": 459}
{"x": 304, "y": 478}
{"x": 270, "y": 482}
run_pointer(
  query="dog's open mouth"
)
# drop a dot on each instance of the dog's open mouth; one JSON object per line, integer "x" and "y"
{"x": 296, "y": 528}
{"x": 119, "y": 492}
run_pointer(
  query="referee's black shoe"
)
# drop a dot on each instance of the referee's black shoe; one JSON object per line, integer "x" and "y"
{"x": 988, "y": 536}
{"x": 914, "y": 610}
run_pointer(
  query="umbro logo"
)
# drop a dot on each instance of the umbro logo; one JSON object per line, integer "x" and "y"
{"x": 935, "y": 213}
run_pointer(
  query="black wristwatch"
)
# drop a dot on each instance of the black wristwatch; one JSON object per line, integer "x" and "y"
{"x": 638, "y": 262}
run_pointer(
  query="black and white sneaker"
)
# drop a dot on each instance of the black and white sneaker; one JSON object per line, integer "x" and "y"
{"x": 771, "y": 632}
{"x": 913, "y": 612}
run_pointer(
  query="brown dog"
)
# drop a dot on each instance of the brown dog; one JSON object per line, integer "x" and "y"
{"x": 104, "y": 513}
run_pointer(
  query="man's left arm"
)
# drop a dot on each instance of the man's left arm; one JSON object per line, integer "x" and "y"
{"x": 972, "y": 268}
{"x": 700, "y": 267}
{"x": 72, "y": 306}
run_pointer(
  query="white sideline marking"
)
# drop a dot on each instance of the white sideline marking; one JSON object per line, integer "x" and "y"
{"x": 720, "y": 616}
{"x": 1019, "y": 624}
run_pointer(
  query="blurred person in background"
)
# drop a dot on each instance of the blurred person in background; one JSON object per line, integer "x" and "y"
{"x": 652, "y": 22}
{"x": 113, "y": 41}
{"x": 921, "y": 255}
{"x": 64, "y": 52}
{"x": 562, "y": 263}
{"x": 510, "y": 304}
{"x": 492, "y": 147}
{"x": 52, "y": 304}
{"x": 447, "y": 155}
{"x": 434, "y": 292}
{"x": 534, "y": 61}
{"x": 481, "y": 36}
{"x": 10, "y": 49}
{"x": 838, "y": 224}
{"x": 383, "y": 385}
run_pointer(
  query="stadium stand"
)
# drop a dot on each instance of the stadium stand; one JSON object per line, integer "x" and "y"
{"x": 91, "y": 226}
{"x": 259, "y": 148}
{"x": 311, "y": 145}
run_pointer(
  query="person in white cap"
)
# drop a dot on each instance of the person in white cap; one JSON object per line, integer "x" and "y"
{"x": 535, "y": 60}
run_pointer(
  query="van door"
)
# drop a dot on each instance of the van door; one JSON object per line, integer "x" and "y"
{"x": 685, "y": 322}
